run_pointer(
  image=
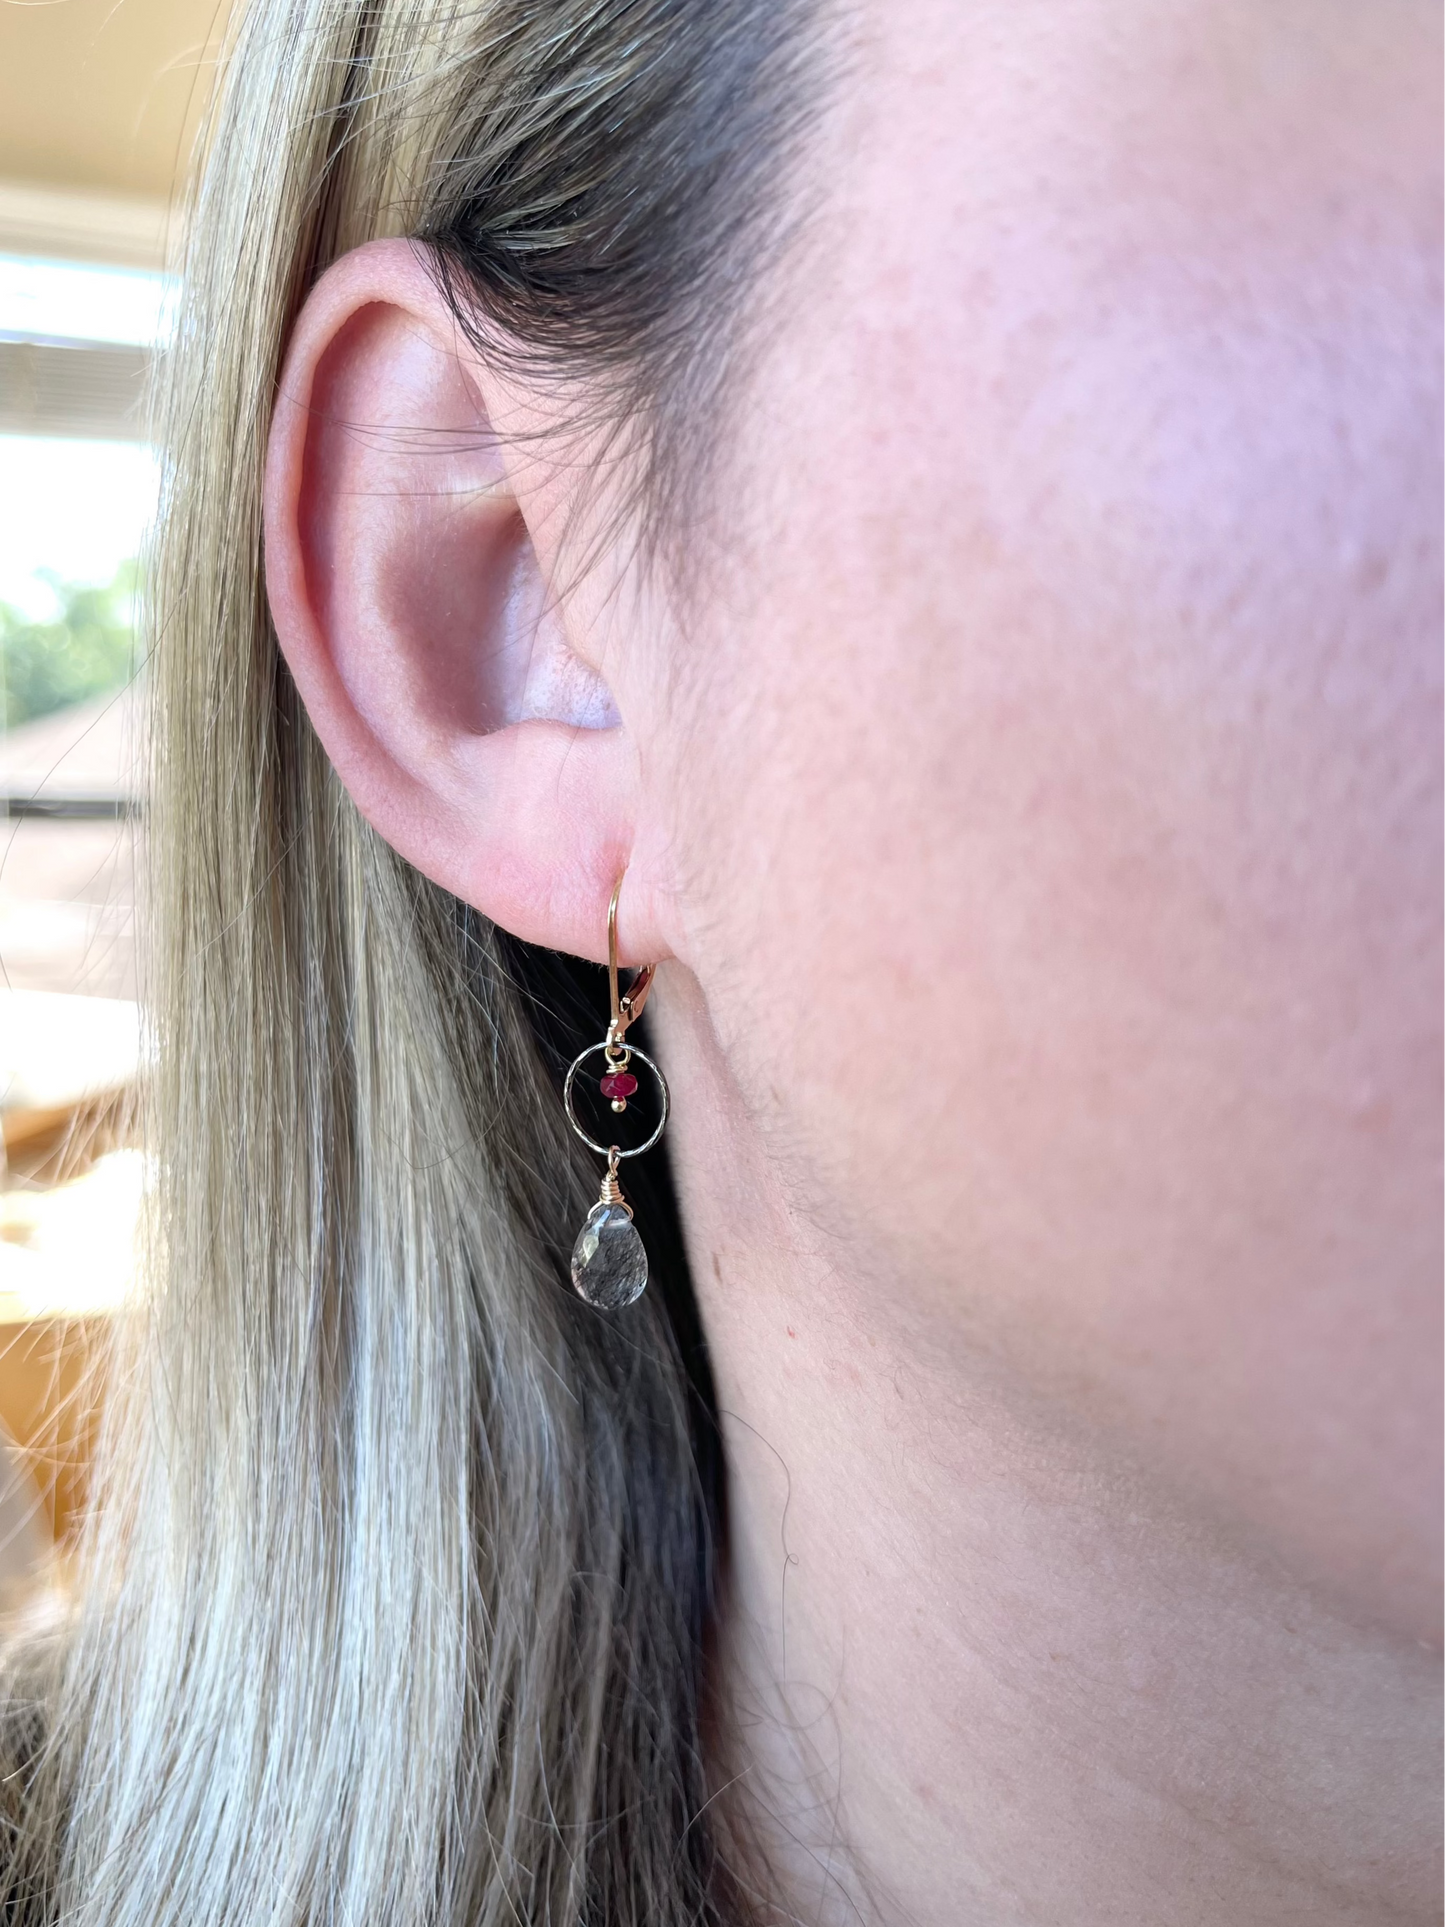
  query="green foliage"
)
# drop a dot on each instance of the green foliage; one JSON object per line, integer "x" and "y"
{"x": 86, "y": 649}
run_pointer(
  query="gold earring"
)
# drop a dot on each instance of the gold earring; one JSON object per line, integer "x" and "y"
{"x": 609, "y": 1260}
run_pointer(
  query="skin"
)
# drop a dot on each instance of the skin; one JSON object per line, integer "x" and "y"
{"x": 1037, "y": 818}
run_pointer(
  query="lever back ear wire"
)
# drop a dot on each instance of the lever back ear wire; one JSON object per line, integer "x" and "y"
{"x": 609, "y": 1260}
{"x": 625, "y": 1010}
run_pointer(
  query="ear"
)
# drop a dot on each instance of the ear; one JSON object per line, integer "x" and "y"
{"x": 409, "y": 570}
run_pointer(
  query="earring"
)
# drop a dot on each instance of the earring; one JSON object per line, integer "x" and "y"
{"x": 609, "y": 1260}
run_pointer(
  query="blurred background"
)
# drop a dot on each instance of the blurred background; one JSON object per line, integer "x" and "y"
{"x": 99, "y": 106}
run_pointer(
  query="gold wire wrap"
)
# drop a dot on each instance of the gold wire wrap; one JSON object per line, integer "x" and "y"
{"x": 611, "y": 1192}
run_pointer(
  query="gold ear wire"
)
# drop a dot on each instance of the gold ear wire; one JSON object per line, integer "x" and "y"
{"x": 625, "y": 1010}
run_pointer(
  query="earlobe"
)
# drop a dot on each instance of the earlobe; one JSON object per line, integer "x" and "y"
{"x": 412, "y": 597}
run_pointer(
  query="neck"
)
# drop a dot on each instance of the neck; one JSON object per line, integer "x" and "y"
{"x": 978, "y": 1668}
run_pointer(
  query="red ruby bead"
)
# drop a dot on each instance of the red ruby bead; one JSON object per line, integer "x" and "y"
{"x": 619, "y": 1084}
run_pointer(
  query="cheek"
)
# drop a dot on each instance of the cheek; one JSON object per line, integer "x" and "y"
{"x": 1065, "y": 804}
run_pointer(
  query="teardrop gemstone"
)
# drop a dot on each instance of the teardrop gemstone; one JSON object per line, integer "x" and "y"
{"x": 609, "y": 1262}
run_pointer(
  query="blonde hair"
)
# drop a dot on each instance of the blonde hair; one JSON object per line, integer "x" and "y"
{"x": 399, "y": 1582}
